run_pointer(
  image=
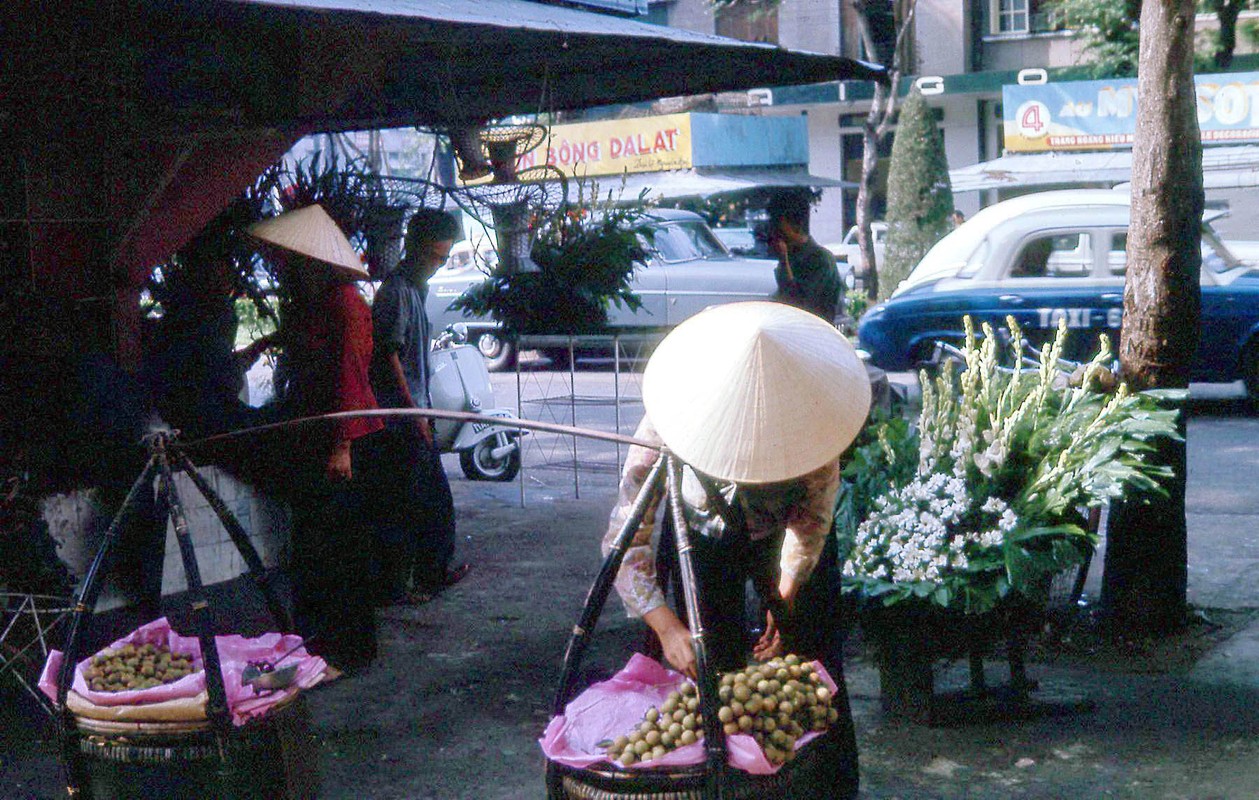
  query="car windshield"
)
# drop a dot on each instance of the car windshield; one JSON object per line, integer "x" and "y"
{"x": 686, "y": 241}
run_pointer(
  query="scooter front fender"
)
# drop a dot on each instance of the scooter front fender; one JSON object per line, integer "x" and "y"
{"x": 472, "y": 432}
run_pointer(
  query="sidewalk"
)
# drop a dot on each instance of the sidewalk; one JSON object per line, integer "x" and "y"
{"x": 463, "y": 689}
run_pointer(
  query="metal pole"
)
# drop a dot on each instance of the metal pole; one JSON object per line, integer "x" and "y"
{"x": 520, "y": 440}
{"x": 616, "y": 393}
{"x": 572, "y": 409}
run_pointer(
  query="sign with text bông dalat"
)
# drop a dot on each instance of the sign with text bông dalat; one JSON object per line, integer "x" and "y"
{"x": 1102, "y": 115}
{"x": 612, "y": 147}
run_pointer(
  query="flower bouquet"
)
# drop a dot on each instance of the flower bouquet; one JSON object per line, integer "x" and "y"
{"x": 967, "y": 517}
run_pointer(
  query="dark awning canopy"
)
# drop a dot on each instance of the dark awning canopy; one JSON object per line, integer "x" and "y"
{"x": 323, "y": 65}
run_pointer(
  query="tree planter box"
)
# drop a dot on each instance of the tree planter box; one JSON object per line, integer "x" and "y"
{"x": 909, "y": 640}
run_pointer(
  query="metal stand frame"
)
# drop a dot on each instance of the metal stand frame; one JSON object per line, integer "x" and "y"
{"x": 165, "y": 458}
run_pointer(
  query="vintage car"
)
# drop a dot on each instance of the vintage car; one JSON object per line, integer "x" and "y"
{"x": 847, "y": 253}
{"x": 689, "y": 270}
{"x": 1054, "y": 255}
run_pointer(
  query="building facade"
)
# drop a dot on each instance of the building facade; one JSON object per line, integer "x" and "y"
{"x": 961, "y": 53}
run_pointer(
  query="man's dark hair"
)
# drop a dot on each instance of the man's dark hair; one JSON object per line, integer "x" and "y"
{"x": 430, "y": 225}
{"x": 790, "y": 206}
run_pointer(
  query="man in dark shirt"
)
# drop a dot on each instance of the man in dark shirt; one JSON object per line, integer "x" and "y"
{"x": 417, "y": 540}
{"x": 806, "y": 273}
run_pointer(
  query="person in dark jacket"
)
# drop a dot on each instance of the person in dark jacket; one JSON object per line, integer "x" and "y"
{"x": 806, "y": 273}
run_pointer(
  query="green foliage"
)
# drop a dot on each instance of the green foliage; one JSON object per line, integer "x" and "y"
{"x": 985, "y": 497}
{"x": 919, "y": 194}
{"x": 587, "y": 256}
{"x": 1108, "y": 31}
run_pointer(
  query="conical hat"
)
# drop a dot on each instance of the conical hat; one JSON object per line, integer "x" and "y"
{"x": 756, "y": 392}
{"x": 309, "y": 231}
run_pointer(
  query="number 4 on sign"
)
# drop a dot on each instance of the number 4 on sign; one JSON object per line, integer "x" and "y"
{"x": 1031, "y": 119}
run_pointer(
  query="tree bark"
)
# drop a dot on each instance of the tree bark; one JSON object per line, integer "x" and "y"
{"x": 877, "y": 125}
{"x": 1144, "y": 585}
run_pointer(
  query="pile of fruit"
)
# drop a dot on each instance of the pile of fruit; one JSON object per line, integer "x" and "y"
{"x": 776, "y": 703}
{"x": 136, "y": 667}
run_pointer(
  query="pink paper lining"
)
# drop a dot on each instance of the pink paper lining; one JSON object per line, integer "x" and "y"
{"x": 234, "y": 654}
{"x": 615, "y": 706}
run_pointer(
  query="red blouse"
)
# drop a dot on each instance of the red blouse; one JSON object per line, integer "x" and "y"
{"x": 336, "y": 346}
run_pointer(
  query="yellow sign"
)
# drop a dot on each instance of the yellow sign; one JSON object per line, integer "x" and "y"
{"x": 611, "y": 147}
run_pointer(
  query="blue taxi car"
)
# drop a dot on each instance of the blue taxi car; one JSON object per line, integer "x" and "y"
{"x": 1053, "y": 255}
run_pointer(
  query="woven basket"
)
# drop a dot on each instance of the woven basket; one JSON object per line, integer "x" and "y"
{"x": 271, "y": 758}
{"x": 606, "y": 782}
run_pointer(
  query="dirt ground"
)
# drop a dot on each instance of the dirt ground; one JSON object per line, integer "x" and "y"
{"x": 464, "y": 688}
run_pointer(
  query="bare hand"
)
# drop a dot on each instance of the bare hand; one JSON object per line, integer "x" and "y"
{"x": 770, "y": 644}
{"x": 339, "y": 467}
{"x": 679, "y": 650}
{"x": 675, "y": 639}
{"x": 424, "y": 430}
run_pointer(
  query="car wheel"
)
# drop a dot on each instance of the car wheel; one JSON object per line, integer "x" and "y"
{"x": 479, "y": 463}
{"x": 499, "y": 353}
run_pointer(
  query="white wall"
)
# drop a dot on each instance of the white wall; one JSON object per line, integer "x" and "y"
{"x": 77, "y": 523}
{"x": 940, "y": 29}
{"x": 811, "y": 25}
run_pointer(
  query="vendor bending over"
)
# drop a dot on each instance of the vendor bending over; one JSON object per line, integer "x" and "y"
{"x": 762, "y": 398}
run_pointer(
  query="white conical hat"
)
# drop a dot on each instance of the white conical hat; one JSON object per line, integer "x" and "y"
{"x": 309, "y": 231}
{"x": 756, "y": 392}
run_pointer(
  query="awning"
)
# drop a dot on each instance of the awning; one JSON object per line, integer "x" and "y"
{"x": 1222, "y": 168}
{"x": 681, "y": 183}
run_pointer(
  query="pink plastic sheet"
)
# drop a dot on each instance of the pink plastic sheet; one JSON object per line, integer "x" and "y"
{"x": 615, "y": 706}
{"x": 234, "y": 654}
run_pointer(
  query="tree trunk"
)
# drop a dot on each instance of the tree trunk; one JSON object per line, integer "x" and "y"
{"x": 1227, "y": 11}
{"x": 1146, "y": 551}
{"x": 865, "y": 190}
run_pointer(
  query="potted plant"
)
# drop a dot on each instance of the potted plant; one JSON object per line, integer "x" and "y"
{"x": 585, "y": 256}
{"x": 962, "y": 522}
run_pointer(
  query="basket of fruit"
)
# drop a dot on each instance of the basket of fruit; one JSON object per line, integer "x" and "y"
{"x": 643, "y": 733}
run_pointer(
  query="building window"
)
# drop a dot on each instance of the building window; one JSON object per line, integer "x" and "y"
{"x": 749, "y": 21}
{"x": 1024, "y": 16}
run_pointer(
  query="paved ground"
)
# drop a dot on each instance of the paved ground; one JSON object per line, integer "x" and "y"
{"x": 463, "y": 690}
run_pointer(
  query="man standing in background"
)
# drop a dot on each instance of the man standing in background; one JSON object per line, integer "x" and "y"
{"x": 806, "y": 273}
{"x": 416, "y": 538}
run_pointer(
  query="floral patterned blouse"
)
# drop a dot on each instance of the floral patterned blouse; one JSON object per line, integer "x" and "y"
{"x": 803, "y": 509}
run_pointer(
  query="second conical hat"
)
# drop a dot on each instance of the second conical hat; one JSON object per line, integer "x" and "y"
{"x": 756, "y": 392}
{"x": 310, "y": 232}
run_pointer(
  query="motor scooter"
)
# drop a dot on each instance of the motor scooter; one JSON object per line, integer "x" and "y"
{"x": 460, "y": 381}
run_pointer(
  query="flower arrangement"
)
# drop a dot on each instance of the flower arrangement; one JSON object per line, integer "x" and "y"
{"x": 984, "y": 498}
{"x": 586, "y": 255}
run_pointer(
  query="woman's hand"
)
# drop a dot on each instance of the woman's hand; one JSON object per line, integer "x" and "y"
{"x": 339, "y": 467}
{"x": 675, "y": 639}
{"x": 770, "y": 645}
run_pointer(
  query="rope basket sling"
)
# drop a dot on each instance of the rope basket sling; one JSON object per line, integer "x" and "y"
{"x": 709, "y": 780}
{"x": 105, "y": 759}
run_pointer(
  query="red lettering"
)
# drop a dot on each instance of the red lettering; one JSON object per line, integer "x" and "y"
{"x": 660, "y": 143}
{"x": 614, "y": 147}
{"x": 1031, "y": 119}
{"x": 592, "y": 152}
{"x": 630, "y": 148}
{"x": 672, "y": 132}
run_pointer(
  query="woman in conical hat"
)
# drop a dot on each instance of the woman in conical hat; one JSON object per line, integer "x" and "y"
{"x": 760, "y": 398}
{"x": 327, "y": 339}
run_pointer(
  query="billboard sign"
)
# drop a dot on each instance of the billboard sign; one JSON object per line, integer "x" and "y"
{"x": 612, "y": 147}
{"x": 1102, "y": 115}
